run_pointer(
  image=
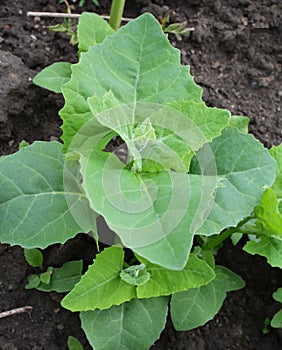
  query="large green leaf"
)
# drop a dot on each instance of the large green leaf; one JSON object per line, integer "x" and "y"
{"x": 276, "y": 153}
{"x": 153, "y": 73}
{"x": 92, "y": 29}
{"x": 195, "y": 307}
{"x": 269, "y": 247}
{"x": 54, "y": 76}
{"x": 101, "y": 286}
{"x": 133, "y": 325}
{"x": 154, "y": 214}
{"x": 244, "y": 168}
{"x": 165, "y": 282}
{"x": 33, "y": 207}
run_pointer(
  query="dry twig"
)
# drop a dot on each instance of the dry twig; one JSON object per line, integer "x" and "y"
{"x": 68, "y": 15}
{"x": 15, "y": 311}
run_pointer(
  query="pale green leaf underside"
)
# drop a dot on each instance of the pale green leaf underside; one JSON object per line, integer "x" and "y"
{"x": 91, "y": 29}
{"x": 133, "y": 325}
{"x": 54, "y": 76}
{"x": 33, "y": 207}
{"x": 276, "y": 153}
{"x": 165, "y": 282}
{"x": 195, "y": 307}
{"x": 137, "y": 63}
{"x": 268, "y": 247}
{"x": 245, "y": 169}
{"x": 101, "y": 286}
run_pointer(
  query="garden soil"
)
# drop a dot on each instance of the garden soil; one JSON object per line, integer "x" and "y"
{"x": 235, "y": 54}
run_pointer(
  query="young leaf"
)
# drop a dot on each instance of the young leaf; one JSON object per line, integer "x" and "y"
{"x": 132, "y": 325}
{"x": 62, "y": 279}
{"x": 34, "y": 257}
{"x": 153, "y": 73}
{"x": 101, "y": 286}
{"x": 54, "y": 76}
{"x": 269, "y": 247}
{"x": 269, "y": 218}
{"x": 33, "y": 208}
{"x": 195, "y": 307}
{"x": 276, "y": 153}
{"x": 135, "y": 275}
{"x": 74, "y": 344}
{"x": 92, "y": 29}
{"x": 33, "y": 281}
{"x": 165, "y": 282}
{"x": 45, "y": 277}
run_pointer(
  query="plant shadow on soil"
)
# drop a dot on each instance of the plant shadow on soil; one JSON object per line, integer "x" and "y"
{"x": 235, "y": 53}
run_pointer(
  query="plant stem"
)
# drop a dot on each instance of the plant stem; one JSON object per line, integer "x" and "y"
{"x": 116, "y": 13}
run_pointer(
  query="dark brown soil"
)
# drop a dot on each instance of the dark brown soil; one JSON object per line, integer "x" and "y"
{"x": 235, "y": 53}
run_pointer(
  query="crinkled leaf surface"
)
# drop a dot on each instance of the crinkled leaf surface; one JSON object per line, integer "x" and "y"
{"x": 195, "y": 307}
{"x": 54, "y": 76}
{"x": 92, "y": 29}
{"x": 269, "y": 218}
{"x": 33, "y": 207}
{"x": 269, "y": 247}
{"x": 245, "y": 169}
{"x": 101, "y": 286}
{"x": 165, "y": 282}
{"x": 172, "y": 134}
{"x": 276, "y": 153}
{"x": 133, "y": 325}
{"x": 137, "y": 63}
{"x": 64, "y": 278}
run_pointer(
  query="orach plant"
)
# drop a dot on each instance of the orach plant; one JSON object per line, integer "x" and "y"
{"x": 190, "y": 176}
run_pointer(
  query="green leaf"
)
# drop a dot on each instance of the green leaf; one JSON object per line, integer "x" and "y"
{"x": 276, "y": 153}
{"x": 63, "y": 279}
{"x": 165, "y": 282}
{"x": 195, "y": 307}
{"x": 92, "y": 29}
{"x": 33, "y": 208}
{"x": 240, "y": 122}
{"x": 268, "y": 247}
{"x": 34, "y": 257}
{"x": 74, "y": 344}
{"x": 276, "y": 321}
{"x": 33, "y": 281}
{"x": 269, "y": 218}
{"x": 153, "y": 73}
{"x": 54, "y": 76}
{"x": 101, "y": 286}
{"x": 45, "y": 277}
{"x": 278, "y": 295}
{"x": 150, "y": 212}
{"x": 136, "y": 324}
{"x": 244, "y": 168}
